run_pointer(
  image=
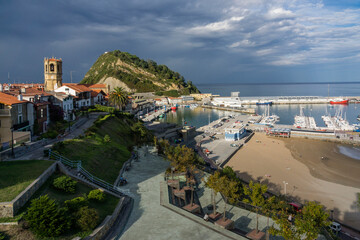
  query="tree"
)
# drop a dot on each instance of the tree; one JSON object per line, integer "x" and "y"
{"x": 65, "y": 183}
{"x": 358, "y": 200}
{"x": 87, "y": 218}
{"x": 213, "y": 182}
{"x": 230, "y": 173}
{"x": 97, "y": 194}
{"x": 286, "y": 229}
{"x": 229, "y": 188}
{"x": 313, "y": 219}
{"x": 119, "y": 97}
{"x": 255, "y": 193}
{"x": 46, "y": 218}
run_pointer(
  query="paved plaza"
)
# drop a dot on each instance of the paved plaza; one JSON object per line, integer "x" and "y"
{"x": 149, "y": 220}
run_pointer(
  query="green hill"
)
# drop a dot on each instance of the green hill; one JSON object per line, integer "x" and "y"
{"x": 122, "y": 69}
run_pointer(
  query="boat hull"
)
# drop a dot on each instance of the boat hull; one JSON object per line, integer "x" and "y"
{"x": 340, "y": 102}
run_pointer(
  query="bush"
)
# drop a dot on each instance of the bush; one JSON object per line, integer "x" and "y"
{"x": 75, "y": 203}
{"x": 86, "y": 218}
{"x": 65, "y": 183}
{"x": 45, "y": 218}
{"x": 96, "y": 194}
{"x": 2, "y": 236}
{"x": 50, "y": 134}
{"x": 107, "y": 138}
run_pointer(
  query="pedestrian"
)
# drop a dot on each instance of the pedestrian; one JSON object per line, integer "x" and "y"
{"x": 206, "y": 217}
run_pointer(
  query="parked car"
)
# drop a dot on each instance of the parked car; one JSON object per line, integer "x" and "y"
{"x": 296, "y": 206}
{"x": 336, "y": 227}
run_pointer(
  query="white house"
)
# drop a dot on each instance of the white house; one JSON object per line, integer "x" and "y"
{"x": 81, "y": 94}
{"x": 66, "y": 103}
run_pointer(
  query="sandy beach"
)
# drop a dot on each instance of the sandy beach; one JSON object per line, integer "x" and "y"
{"x": 313, "y": 170}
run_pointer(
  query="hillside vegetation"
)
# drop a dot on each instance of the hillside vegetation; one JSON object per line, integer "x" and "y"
{"x": 122, "y": 69}
{"x": 106, "y": 145}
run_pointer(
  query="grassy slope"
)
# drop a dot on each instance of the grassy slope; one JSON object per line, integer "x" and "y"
{"x": 15, "y": 176}
{"x": 103, "y": 159}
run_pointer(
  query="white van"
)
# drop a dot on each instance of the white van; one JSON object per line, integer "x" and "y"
{"x": 336, "y": 227}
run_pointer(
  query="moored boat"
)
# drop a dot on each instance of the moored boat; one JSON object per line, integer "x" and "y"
{"x": 264, "y": 103}
{"x": 339, "y": 101}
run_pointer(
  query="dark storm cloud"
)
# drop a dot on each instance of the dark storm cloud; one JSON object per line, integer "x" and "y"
{"x": 205, "y": 40}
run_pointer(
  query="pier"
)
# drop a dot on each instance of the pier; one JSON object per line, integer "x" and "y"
{"x": 240, "y": 110}
{"x": 295, "y": 100}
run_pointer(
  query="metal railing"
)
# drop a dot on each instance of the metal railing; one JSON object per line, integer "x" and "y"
{"x": 5, "y": 112}
{"x": 77, "y": 164}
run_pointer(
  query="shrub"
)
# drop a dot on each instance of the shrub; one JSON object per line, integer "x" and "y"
{"x": 50, "y": 134}
{"x": 45, "y": 218}
{"x": 87, "y": 218}
{"x": 75, "y": 203}
{"x": 65, "y": 183}
{"x": 107, "y": 138}
{"x": 2, "y": 236}
{"x": 96, "y": 194}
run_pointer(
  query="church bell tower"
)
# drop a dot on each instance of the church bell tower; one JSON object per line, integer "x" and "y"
{"x": 52, "y": 73}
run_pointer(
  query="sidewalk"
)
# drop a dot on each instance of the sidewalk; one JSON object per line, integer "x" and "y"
{"x": 31, "y": 153}
{"x": 149, "y": 220}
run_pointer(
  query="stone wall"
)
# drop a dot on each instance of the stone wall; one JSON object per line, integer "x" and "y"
{"x": 102, "y": 230}
{"x": 9, "y": 209}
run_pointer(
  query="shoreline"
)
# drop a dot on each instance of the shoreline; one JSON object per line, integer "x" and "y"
{"x": 272, "y": 161}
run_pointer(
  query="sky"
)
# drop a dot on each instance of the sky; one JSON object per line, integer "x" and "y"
{"x": 206, "y": 41}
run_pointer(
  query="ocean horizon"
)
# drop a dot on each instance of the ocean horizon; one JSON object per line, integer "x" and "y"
{"x": 322, "y": 89}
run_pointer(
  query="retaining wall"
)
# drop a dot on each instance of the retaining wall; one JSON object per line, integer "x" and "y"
{"x": 9, "y": 209}
{"x": 102, "y": 230}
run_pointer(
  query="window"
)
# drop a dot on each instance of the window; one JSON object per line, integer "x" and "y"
{"x": 41, "y": 113}
{"x": 46, "y": 68}
{"x": 51, "y": 67}
{"x": 20, "y": 119}
{"x": 58, "y": 67}
{"x": 2, "y": 106}
{"x": 20, "y": 108}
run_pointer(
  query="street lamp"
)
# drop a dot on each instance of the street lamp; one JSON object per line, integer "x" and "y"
{"x": 12, "y": 142}
{"x": 285, "y": 183}
{"x": 69, "y": 118}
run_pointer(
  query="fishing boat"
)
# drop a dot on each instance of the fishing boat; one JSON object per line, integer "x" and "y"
{"x": 264, "y": 103}
{"x": 339, "y": 101}
{"x": 358, "y": 118}
{"x": 161, "y": 116}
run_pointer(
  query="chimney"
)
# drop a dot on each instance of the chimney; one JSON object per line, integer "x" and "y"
{"x": 1, "y": 87}
{"x": 23, "y": 90}
{"x": 19, "y": 97}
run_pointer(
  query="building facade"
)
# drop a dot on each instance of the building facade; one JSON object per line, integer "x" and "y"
{"x": 52, "y": 74}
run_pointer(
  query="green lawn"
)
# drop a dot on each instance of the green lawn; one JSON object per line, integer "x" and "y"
{"x": 103, "y": 159}
{"x": 103, "y": 208}
{"x": 15, "y": 176}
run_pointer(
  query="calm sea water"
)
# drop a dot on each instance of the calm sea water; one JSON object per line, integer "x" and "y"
{"x": 296, "y": 89}
{"x": 200, "y": 117}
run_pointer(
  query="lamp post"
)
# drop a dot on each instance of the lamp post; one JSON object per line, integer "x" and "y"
{"x": 12, "y": 143}
{"x": 69, "y": 118}
{"x": 285, "y": 183}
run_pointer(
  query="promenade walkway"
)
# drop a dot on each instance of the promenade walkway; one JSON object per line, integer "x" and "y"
{"x": 244, "y": 220}
{"x": 148, "y": 219}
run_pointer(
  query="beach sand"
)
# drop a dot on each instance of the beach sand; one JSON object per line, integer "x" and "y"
{"x": 333, "y": 180}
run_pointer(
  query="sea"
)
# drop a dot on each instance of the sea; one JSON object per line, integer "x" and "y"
{"x": 199, "y": 116}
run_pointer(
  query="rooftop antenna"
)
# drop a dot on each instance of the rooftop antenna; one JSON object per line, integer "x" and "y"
{"x": 8, "y": 77}
{"x": 71, "y": 75}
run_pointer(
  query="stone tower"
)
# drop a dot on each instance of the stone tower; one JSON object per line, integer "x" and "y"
{"x": 52, "y": 73}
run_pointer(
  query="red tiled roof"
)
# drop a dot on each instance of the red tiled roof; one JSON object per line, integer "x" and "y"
{"x": 34, "y": 91}
{"x": 97, "y": 85}
{"x": 8, "y": 99}
{"x": 77, "y": 87}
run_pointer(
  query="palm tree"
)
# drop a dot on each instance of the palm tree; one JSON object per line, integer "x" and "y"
{"x": 119, "y": 97}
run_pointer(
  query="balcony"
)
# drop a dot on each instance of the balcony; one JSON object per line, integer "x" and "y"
{"x": 21, "y": 125}
{"x": 5, "y": 113}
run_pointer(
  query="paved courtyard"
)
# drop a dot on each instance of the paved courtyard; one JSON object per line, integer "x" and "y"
{"x": 149, "y": 220}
